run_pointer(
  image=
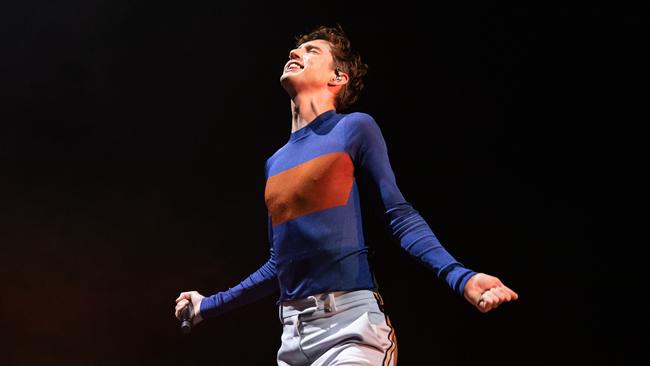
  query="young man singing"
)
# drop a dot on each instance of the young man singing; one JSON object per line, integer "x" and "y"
{"x": 330, "y": 310}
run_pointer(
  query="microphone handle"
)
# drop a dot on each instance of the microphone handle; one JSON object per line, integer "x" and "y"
{"x": 186, "y": 319}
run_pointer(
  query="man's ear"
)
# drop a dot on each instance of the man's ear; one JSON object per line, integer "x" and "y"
{"x": 341, "y": 78}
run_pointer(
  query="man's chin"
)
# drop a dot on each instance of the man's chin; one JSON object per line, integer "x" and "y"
{"x": 287, "y": 84}
{"x": 288, "y": 75}
{"x": 288, "y": 79}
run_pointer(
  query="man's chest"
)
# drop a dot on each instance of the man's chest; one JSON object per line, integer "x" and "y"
{"x": 311, "y": 186}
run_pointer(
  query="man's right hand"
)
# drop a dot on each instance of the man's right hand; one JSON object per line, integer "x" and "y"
{"x": 190, "y": 297}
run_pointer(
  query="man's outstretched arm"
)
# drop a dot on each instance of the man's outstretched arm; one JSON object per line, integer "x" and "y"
{"x": 258, "y": 285}
{"x": 369, "y": 152}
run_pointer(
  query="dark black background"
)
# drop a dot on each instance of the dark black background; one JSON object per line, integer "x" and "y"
{"x": 133, "y": 137}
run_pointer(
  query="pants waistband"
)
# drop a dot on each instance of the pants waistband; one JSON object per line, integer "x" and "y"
{"x": 326, "y": 302}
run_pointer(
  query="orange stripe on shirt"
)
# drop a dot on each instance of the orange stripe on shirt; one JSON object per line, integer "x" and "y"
{"x": 315, "y": 185}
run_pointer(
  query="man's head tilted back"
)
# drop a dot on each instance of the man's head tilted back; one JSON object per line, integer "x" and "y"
{"x": 324, "y": 62}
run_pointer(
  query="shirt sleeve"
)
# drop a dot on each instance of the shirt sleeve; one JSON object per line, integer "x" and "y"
{"x": 369, "y": 153}
{"x": 258, "y": 285}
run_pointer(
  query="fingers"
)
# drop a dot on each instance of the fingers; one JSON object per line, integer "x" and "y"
{"x": 488, "y": 301}
{"x": 506, "y": 293}
{"x": 512, "y": 293}
{"x": 492, "y": 298}
{"x": 185, "y": 295}
{"x": 189, "y": 298}
{"x": 179, "y": 307}
{"x": 501, "y": 294}
{"x": 480, "y": 302}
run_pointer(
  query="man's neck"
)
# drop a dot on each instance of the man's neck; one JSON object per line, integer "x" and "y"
{"x": 305, "y": 108}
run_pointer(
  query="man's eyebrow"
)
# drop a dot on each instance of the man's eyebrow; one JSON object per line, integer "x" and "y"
{"x": 310, "y": 46}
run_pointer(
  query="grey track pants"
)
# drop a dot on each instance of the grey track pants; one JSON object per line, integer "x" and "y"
{"x": 336, "y": 329}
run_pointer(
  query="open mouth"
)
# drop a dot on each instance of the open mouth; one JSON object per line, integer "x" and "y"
{"x": 293, "y": 67}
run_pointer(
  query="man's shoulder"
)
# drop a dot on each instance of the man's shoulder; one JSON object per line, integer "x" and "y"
{"x": 359, "y": 123}
{"x": 278, "y": 152}
{"x": 359, "y": 117}
{"x": 358, "y": 120}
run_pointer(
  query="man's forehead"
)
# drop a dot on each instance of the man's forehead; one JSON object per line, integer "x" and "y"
{"x": 320, "y": 43}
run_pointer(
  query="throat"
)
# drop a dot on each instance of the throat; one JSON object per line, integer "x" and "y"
{"x": 305, "y": 108}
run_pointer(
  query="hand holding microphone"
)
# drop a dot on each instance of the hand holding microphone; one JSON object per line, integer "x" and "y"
{"x": 186, "y": 318}
{"x": 188, "y": 306}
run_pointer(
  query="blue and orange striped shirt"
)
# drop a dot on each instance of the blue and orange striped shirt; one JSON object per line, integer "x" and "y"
{"x": 315, "y": 224}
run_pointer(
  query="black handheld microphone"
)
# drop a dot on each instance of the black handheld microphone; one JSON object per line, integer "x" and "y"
{"x": 186, "y": 318}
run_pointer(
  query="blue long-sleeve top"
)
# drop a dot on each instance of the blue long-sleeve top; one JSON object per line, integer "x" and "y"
{"x": 315, "y": 226}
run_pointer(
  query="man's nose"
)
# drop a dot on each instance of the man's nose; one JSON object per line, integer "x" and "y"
{"x": 295, "y": 54}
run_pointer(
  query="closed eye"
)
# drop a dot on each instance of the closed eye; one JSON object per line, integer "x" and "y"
{"x": 313, "y": 49}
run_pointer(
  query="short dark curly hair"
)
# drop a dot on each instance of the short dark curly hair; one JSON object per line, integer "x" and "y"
{"x": 344, "y": 60}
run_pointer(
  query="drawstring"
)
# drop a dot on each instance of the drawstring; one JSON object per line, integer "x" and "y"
{"x": 330, "y": 303}
{"x": 327, "y": 303}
